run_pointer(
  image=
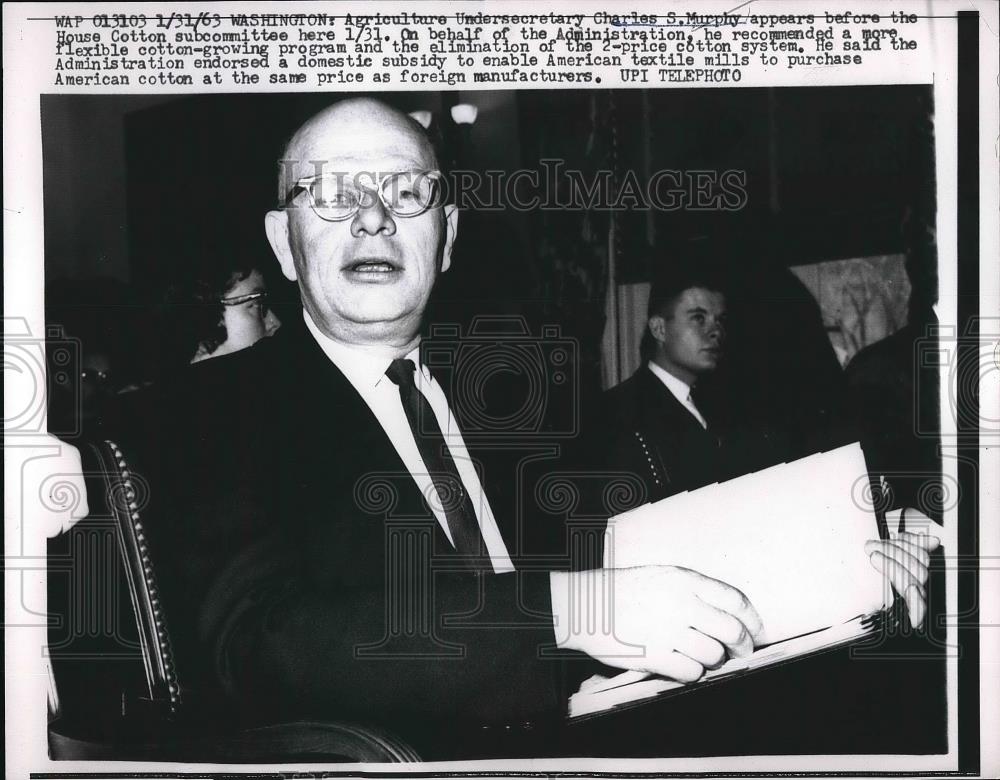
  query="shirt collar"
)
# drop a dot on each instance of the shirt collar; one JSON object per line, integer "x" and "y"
{"x": 363, "y": 370}
{"x": 680, "y": 389}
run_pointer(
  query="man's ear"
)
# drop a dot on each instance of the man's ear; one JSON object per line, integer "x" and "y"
{"x": 450, "y": 232}
{"x": 276, "y": 227}
{"x": 657, "y": 327}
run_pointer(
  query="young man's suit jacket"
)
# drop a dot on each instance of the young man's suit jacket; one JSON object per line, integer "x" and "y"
{"x": 646, "y": 431}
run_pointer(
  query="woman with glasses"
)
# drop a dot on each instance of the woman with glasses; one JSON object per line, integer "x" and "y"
{"x": 234, "y": 317}
{"x": 219, "y": 313}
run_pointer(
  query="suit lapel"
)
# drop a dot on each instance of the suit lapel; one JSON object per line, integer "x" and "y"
{"x": 338, "y": 443}
{"x": 667, "y": 412}
{"x": 687, "y": 453}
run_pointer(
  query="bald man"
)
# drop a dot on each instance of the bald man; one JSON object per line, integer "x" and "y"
{"x": 329, "y": 532}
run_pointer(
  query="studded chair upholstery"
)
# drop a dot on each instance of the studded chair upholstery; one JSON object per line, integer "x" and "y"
{"x": 153, "y": 722}
{"x": 157, "y": 655}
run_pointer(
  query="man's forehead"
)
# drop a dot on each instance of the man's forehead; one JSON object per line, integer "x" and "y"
{"x": 701, "y": 298}
{"x": 351, "y": 141}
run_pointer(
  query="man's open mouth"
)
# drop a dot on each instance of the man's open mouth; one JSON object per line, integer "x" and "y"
{"x": 373, "y": 267}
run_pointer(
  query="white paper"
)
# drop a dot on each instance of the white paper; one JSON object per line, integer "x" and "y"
{"x": 599, "y": 693}
{"x": 790, "y": 537}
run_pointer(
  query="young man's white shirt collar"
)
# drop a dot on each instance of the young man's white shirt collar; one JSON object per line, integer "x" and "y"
{"x": 679, "y": 389}
{"x": 366, "y": 373}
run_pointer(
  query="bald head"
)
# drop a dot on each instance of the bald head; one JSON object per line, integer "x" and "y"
{"x": 353, "y": 130}
{"x": 364, "y": 277}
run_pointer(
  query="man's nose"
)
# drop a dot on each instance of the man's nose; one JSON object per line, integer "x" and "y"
{"x": 373, "y": 217}
{"x": 717, "y": 332}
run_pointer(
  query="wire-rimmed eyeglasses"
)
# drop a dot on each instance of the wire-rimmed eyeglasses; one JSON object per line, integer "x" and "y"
{"x": 335, "y": 197}
{"x": 236, "y": 300}
{"x": 259, "y": 299}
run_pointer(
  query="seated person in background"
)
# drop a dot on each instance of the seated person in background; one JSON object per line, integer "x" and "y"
{"x": 655, "y": 428}
{"x": 219, "y": 313}
{"x": 654, "y": 424}
{"x": 246, "y": 317}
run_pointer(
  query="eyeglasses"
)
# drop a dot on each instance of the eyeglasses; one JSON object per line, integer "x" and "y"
{"x": 238, "y": 300}
{"x": 334, "y": 197}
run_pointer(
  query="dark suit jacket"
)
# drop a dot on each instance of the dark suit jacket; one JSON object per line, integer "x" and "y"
{"x": 646, "y": 431}
{"x": 894, "y": 403}
{"x": 642, "y": 429}
{"x": 301, "y": 571}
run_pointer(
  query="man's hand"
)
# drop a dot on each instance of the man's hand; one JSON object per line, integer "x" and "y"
{"x": 661, "y": 619}
{"x": 904, "y": 559}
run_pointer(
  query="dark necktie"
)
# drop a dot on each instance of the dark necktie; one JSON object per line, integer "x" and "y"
{"x": 697, "y": 396}
{"x": 455, "y": 501}
{"x": 701, "y": 400}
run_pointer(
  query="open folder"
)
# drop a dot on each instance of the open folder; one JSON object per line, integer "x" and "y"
{"x": 790, "y": 537}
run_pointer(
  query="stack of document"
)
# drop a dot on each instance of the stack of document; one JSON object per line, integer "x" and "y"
{"x": 790, "y": 537}
{"x": 600, "y": 694}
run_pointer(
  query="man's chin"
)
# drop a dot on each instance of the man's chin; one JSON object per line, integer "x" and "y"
{"x": 381, "y": 314}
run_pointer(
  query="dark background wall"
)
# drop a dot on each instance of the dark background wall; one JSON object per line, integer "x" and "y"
{"x": 832, "y": 172}
{"x": 84, "y": 172}
{"x": 147, "y": 189}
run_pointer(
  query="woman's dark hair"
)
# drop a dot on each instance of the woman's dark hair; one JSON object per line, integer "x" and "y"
{"x": 193, "y": 315}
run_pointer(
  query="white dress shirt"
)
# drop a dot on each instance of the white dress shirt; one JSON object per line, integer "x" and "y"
{"x": 679, "y": 390}
{"x": 366, "y": 373}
